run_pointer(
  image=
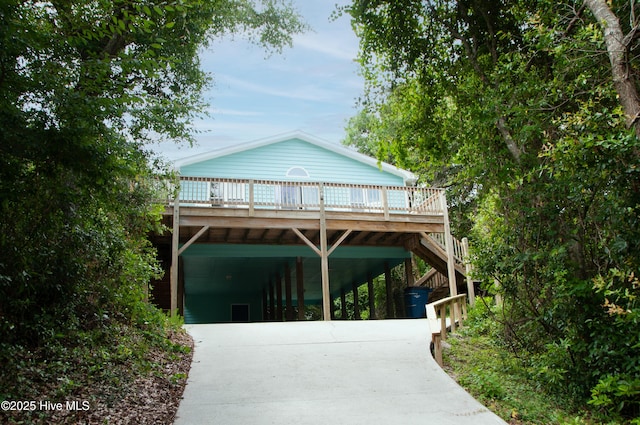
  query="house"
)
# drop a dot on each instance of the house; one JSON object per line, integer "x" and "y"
{"x": 265, "y": 229}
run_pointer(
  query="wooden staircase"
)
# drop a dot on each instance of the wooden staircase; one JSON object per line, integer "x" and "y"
{"x": 431, "y": 248}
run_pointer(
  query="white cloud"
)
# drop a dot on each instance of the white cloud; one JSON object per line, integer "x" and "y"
{"x": 312, "y": 86}
{"x": 333, "y": 45}
{"x": 308, "y": 91}
{"x": 234, "y": 112}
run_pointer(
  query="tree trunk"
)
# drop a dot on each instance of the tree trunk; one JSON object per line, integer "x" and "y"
{"x": 617, "y": 44}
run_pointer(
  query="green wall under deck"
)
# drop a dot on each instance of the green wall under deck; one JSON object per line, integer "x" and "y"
{"x": 217, "y": 276}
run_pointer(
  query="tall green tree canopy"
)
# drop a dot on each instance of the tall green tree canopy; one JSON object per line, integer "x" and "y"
{"x": 527, "y": 112}
{"x": 84, "y": 85}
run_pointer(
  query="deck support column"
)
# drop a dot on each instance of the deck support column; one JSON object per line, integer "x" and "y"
{"x": 372, "y": 297}
{"x": 356, "y": 305}
{"x": 180, "y": 286}
{"x": 343, "y": 304}
{"x": 408, "y": 271}
{"x": 272, "y": 302}
{"x": 451, "y": 262}
{"x": 175, "y": 242}
{"x": 389, "y": 289}
{"x": 265, "y": 305}
{"x": 300, "y": 287}
{"x": 278, "y": 298}
{"x": 448, "y": 243}
{"x": 324, "y": 260}
{"x": 471, "y": 291}
{"x": 287, "y": 291}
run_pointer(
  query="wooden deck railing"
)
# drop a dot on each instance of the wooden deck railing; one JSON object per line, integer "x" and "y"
{"x": 459, "y": 249}
{"x": 452, "y": 308}
{"x": 272, "y": 194}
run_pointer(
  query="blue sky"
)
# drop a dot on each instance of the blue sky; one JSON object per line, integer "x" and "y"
{"x": 312, "y": 86}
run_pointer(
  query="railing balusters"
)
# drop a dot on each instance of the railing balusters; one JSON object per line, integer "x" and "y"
{"x": 252, "y": 194}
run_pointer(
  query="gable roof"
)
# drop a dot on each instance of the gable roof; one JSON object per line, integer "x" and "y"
{"x": 408, "y": 177}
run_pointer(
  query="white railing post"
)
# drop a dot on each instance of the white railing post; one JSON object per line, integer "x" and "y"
{"x": 448, "y": 243}
{"x": 467, "y": 267}
{"x": 385, "y": 202}
{"x": 251, "y": 198}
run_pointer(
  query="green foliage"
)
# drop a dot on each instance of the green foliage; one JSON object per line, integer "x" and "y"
{"x": 511, "y": 106}
{"x": 84, "y": 87}
{"x": 505, "y": 382}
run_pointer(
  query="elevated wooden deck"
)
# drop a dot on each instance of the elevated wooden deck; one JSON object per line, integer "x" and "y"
{"x": 322, "y": 216}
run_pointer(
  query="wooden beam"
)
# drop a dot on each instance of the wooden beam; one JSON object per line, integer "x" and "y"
{"x": 448, "y": 242}
{"x": 451, "y": 261}
{"x": 385, "y": 203}
{"x": 175, "y": 242}
{"x": 265, "y": 304}
{"x": 389, "y": 290}
{"x": 278, "y": 298}
{"x": 300, "y": 287}
{"x": 287, "y": 292}
{"x": 343, "y": 304}
{"x": 339, "y": 241}
{"x": 193, "y": 239}
{"x": 181, "y": 286}
{"x": 372, "y": 297}
{"x": 334, "y": 220}
{"x": 468, "y": 270}
{"x": 383, "y": 226}
{"x": 251, "y": 198}
{"x": 356, "y": 305}
{"x": 244, "y": 222}
{"x": 324, "y": 260}
{"x": 307, "y": 241}
{"x": 360, "y": 237}
{"x": 408, "y": 271}
{"x": 272, "y": 302}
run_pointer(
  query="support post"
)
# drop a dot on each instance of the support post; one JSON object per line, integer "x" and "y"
{"x": 385, "y": 203}
{"x": 175, "y": 242}
{"x": 278, "y": 298}
{"x": 300, "y": 287}
{"x": 356, "y": 306}
{"x": 408, "y": 272}
{"x": 287, "y": 292}
{"x": 471, "y": 291}
{"x": 181, "y": 286}
{"x": 265, "y": 305}
{"x": 451, "y": 265}
{"x": 272, "y": 302}
{"x": 448, "y": 243}
{"x": 324, "y": 259}
{"x": 372, "y": 297}
{"x": 343, "y": 305}
{"x": 387, "y": 284}
{"x": 251, "y": 199}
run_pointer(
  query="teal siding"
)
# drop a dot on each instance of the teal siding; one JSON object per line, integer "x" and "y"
{"x": 213, "y": 307}
{"x": 271, "y": 162}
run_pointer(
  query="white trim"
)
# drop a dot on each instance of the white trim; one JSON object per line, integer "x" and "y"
{"x": 408, "y": 177}
{"x": 297, "y": 167}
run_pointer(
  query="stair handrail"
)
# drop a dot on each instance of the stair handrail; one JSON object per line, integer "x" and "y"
{"x": 437, "y": 319}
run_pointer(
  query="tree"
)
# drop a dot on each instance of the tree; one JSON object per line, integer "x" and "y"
{"x": 521, "y": 110}
{"x": 619, "y": 46}
{"x": 84, "y": 86}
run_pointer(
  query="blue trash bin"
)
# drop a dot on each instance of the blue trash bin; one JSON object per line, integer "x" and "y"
{"x": 415, "y": 298}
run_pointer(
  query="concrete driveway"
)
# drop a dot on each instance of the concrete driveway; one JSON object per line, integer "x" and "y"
{"x": 338, "y": 372}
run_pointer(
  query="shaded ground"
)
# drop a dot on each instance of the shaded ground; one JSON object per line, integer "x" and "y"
{"x": 152, "y": 399}
{"x": 148, "y": 398}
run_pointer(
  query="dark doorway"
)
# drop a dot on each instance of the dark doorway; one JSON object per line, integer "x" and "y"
{"x": 239, "y": 312}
